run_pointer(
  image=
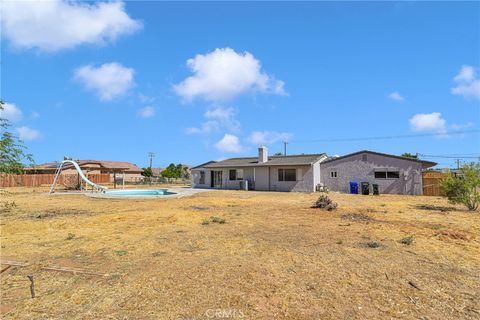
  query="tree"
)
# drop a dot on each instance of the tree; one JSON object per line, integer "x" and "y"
{"x": 278, "y": 154}
{"x": 12, "y": 150}
{"x": 464, "y": 188}
{"x": 147, "y": 172}
{"x": 170, "y": 171}
{"x": 175, "y": 171}
{"x": 410, "y": 155}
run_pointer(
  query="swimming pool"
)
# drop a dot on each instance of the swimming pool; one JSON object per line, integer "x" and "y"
{"x": 138, "y": 193}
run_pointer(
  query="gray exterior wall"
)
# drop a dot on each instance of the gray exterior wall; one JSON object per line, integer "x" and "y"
{"x": 304, "y": 181}
{"x": 354, "y": 169}
{"x": 196, "y": 178}
{"x": 265, "y": 178}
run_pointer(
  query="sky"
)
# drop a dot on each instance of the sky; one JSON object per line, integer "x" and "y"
{"x": 200, "y": 81}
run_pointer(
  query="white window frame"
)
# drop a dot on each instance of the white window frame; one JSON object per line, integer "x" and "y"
{"x": 238, "y": 174}
{"x": 283, "y": 175}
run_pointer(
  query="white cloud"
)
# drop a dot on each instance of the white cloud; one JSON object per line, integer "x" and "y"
{"x": 268, "y": 137}
{"x": 229, "y": 143}
{"x": 219, "y": 113}
{"x": 146, "y": 99}
{"x": 225, "y": 74}
{"x": 428, "y": 122}
{"x": 147, "y": 112}
{"x": 204, "y": 128}
{"x": 110, "y": 80}
{"x": 217, "y": 118}
{"x": 11, "y": 112}
{"x": 466, "y": 73}
{"x": 55, "y": 24}
{"x": 395, "y": 96}
{"x": 28, "y": 134}
{"x": 462, "y": 126}
{"x": 35, "y": 115}
{"x": 468, "y": 85}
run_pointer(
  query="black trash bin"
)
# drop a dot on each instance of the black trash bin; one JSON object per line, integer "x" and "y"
{"x": 365, "y": 188}
{"x": 375, "y": 189}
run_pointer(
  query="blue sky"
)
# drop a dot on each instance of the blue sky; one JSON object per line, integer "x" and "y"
{"x": 199, "y": 81}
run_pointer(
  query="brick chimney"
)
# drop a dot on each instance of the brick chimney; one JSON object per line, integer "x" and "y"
{"x": 262, "y": 154}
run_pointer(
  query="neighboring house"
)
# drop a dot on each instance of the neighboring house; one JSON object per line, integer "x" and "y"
{"x": 393, "y": 174}
{"x": 265, "y": 173}
{"x": 114, "y": 168}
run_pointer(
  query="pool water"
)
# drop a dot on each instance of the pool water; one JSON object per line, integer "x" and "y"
{"x": 138, "y": 193}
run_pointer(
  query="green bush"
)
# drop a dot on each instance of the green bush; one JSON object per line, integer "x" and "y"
{"x": 465, "y": 187}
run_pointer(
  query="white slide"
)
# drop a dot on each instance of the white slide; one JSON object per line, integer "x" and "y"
{"x": 80, "y": 173}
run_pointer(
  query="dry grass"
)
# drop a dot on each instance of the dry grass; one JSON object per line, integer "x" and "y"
{"x": 273, "y": 258}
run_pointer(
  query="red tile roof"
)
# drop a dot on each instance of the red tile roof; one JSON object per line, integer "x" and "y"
{"x": 91, "y": 164}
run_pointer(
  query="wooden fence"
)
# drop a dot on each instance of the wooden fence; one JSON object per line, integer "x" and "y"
{"x": 431, "y": 183}
{"x": 36, "y": 180}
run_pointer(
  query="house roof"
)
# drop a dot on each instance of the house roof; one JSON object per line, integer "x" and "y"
{"x": 92, "y": 164}
{"x": 203, "y": 164}
{"x": 293, "y": 160}
{"x": 425, "y": 164}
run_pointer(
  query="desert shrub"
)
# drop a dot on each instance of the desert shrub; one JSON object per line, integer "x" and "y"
{"x": 373, "y": 244}
{"x": 324, "y": 202}
{"x": 70, "y": 236}
{"x": 407, "y": 240}
{"x": 465, "y": 188}
{"x": 217, "y": 220}
{"x": 213, "y": 219}
{"x": 121, "y": 252}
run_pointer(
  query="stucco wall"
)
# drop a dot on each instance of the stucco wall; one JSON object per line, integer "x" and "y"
{"x": 196, "y": 178}
{"x": 353, "y": 168}
{"x": 304, "y": 180}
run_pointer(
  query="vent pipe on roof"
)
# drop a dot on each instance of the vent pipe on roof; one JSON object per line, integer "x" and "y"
{"x": 262, "y": 154}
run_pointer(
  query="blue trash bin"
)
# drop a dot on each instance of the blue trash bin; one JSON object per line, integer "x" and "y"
{"x": 354, "y": 187}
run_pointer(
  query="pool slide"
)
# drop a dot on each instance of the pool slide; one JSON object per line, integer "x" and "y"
{"x": 80, "y": 173}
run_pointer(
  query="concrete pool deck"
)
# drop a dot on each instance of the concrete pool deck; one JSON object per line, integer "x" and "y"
{"x": 176, "y": 193}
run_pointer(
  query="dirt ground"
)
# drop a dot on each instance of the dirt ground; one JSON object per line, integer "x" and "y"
{"x": 274, "y": 257}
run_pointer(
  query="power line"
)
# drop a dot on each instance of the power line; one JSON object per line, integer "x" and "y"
{"x": 447, "y": 156}
{"x": 405, "y": 136}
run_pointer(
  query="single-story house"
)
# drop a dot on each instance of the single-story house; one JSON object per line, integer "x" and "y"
{"x": 393, "y": 174}
{"x": 114, "y": 168}
{"x": 265, "y": 173}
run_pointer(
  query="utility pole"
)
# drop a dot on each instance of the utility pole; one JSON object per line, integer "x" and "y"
{"x": 458, "y": 163}
{"x": 285, "y": 142}
{"x": 151, "y": 155}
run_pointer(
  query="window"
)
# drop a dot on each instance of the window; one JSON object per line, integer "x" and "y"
{"x": 236, "y": 174}
{"x": 239, "y": 174}
{"x": 393, "y": 174}
{"x": 364, "y": 158}
{"x": 333, "y": 174}
{"x": 387, "y": 174}
{"x": 287, "y": 175}
{"x": 202, "y": 177}
{"x": 380, "y": 175}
